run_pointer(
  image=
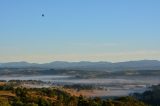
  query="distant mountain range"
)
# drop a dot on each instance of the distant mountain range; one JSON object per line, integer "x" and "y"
{"x": 86, "y": 65}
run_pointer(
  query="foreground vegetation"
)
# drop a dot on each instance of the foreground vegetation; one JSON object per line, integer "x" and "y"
{"x": 20, "y": 96}
{"x": 151, "y": 96}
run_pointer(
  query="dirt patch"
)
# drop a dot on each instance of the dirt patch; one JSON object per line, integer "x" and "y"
{"x": 2, "y": 83}
{"x": 6, "y": 93}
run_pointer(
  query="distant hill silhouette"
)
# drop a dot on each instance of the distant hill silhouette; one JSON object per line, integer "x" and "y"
{"x": 86, "y": 65}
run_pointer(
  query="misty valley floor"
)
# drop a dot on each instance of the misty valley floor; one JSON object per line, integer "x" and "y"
{"x": 117, "y": 86}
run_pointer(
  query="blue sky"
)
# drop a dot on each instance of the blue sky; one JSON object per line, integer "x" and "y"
{"x": 79, "y": 30}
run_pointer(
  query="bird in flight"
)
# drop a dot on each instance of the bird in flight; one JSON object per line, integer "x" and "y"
{"x": 42, "y": 15}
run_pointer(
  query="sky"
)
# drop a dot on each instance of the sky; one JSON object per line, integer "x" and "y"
{"x": 79, "y": 30}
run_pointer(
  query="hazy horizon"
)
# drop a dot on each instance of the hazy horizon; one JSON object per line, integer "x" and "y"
{"x": 79, "y": 61}
{"x": 79, "y": 30}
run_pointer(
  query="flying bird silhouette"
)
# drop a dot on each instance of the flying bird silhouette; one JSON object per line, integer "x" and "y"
{"x": 42, "y": 15}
